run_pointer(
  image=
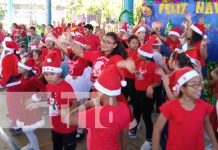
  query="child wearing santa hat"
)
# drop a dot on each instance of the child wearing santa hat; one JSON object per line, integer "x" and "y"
{"x": 188, "y": 115}
{"x": 10, "y": 78}
{"x": 29, "y": 120}
{"x": 172, "y": 42}
{"x": 145, "y": 69}
{"x": 196, "y": 43}
{"x": 63, "y": 135}
{"x": 102, "y": 116}
{"x": 38, "y": 63}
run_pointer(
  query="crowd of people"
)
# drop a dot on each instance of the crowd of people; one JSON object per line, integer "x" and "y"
{"x": 114, "y": 80}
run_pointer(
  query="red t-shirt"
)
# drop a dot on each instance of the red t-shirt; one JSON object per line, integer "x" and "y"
{"x": 99, "y": 62}
{"x": 145, "y": 75}
{"x": 186, "y": 128}
{"x": 104, "y": 125}
{"x": 37, "y": 68}
{"x": 45, "y": 52}
{"x": 195, "y": 53}
{"x": 172, "y": 45}
{"x": 77, "y": 65}
{"x": 93, "y": 41}
{"x": 56, "y": 92}
{"x": 131, "y": 54}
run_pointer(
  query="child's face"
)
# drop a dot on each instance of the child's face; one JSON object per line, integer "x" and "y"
{"x": 193, "y": 88}
{"x": 22, "y": 50}
{"x": 21, "y": 70}
{"x": 133, "y": 44}
{"x": 143, "y": 58}
{"x": 36, "y": 57}
{"x": 52, "y": 78}
{"x": 174, "y": 38}
{"x": 141, "y": 35}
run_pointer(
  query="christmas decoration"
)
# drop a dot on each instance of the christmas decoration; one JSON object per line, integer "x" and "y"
{"x": 146, "y": 10}
{"x": 129, "y": 13}
{"x": 169, "y": 26}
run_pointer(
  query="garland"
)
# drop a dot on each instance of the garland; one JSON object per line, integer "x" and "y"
{"x": 207, "y": 91}
{"x": 129, "y": 13}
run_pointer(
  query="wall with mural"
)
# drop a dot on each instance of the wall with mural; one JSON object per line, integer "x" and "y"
{"x": 177, "y": 11}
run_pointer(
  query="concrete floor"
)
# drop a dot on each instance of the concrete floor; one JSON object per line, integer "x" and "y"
{"x": 44, "y": 135}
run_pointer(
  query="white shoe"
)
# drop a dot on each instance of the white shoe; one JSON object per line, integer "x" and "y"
{"x": 146, "y": 146}
{"x": 208, "y": 147}
{"x": 27, "y": 147}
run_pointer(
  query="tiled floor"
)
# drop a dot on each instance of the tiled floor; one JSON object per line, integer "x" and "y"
{"x": 44, "y": 135}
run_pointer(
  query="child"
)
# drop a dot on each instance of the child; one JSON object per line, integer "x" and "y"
{"x": 29, "y": 120}
{"x": 62, "y": 134}
{"x": 105, "y": 130}
{"x": 10, "y": 78}
{"x": 37, "y": 68}
{"x": 22, "y": 51}
{"x": 188, "y": 115}
{"x": 145, "y": 69}
{"x": 172, "y": 42}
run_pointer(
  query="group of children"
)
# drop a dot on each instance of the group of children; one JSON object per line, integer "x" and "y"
{"x": 138, "y": 73}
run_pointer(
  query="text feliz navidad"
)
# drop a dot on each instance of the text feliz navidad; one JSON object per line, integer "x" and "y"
{"x": 180, "y": 8}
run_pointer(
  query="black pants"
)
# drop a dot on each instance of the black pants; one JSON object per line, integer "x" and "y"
{"x": 144, "y": 105}
{"x": 129, "y": 90}
{"x": 66, "y": 141}
{"x": 159, "y": 96}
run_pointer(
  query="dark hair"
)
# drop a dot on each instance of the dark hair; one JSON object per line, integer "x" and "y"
{"x": 33, "y": 28}
{"x": 195, "y": 38}
{"x": 120, "y": 49}
{"x": 50, "y": 25}
{"x": 89, "y": 26}
{"x": 23, "y": 46}
{"x": 38, "y": 51}
{"x": 131, "y": 38}
{"x": 30, "y": 74}
{"x": 182, "y": 59}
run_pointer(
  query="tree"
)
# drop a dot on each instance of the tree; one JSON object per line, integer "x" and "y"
{"x": 74, "y": 7}
{"x": 2, "y": 12}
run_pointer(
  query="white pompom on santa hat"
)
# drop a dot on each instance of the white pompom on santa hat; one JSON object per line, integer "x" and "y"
{"x": 52, "y": 63}
{"x": 179, "y": 77}
{"x": 124, "y": 27}
{"x": 109, "y": 82}
{"x": 146, "y": 49}
{"x": 26, "y": 63}
{"x": 175, "y": 31}
{"x": 199, "y": 28}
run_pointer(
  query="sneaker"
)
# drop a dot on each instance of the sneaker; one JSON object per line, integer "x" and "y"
{"x": 146, "y": 146}
{"x": 132, "y": 134}
{"x": 15, "y": 132}
{"x": 209, "y": 147}
{"x": 27, "y": 147}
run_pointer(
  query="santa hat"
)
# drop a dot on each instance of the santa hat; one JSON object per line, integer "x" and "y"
{"x": 157, "y": 43}
{"x": 199, "y": 28}
{"x": 181, "y": 76}
{"x": 110, "y": 81}
{"x": 146, "y": 49}
{"x": 80, "y": 31}
{"x": 80, "y": 40}
{"x": 9, "y": 45}
{"x": 26, "y": 63}
{"x": 51, "y": 63}
{"x": 175, "y": 31}
{"x": 139, "y": 29}
{"x": 124, "y": 27}
{"x": 42, "y": 42}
